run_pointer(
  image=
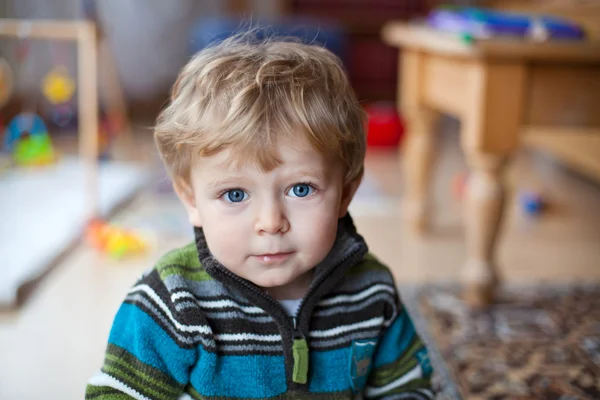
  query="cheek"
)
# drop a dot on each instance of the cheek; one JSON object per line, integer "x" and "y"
{"x": 224, "y": 236}
{"x": 316, "y": 226}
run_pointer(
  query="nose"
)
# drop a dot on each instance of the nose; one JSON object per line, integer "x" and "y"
{"x": 271, "y": 219}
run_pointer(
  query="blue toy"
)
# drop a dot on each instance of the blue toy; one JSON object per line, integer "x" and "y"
{"x": 478, "y": 23}
{"x": 27, "y": 138}
{"x": 532, "y": 203}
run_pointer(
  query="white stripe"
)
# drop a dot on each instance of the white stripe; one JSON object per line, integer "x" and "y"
{"x": 176, "y": 296}
{"x": 351, "y": 298}
{"x": 415, "y": 373}
{"x": 184, "y": 328}
{"x": 185, "y": 396}
{"x": 370, "y": 343}
{"x": 212, "y": 304}
{"x": 228, "y": 303}
{"x": 237, "y": 337}
{"x": 102, "y": 379}
{"x": 426, "y": 392}
{"x": 346, "y": 328}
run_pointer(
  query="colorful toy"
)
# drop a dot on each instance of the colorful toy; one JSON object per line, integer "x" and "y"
{"x": 27, "y": 138}
{"x": 62, "y": 114}
{"x": 58, "y": 86}
{"x": 459, "y": 185}
{"x": 532, "y": 202}
{"x": 114, "y": 241}
{"x": 384, "y": 126}
{"x": 479, "y": 23}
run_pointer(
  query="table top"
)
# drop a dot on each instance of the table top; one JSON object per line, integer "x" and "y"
{"x": 420, "y": 37}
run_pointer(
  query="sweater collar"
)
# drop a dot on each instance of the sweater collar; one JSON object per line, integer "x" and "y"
{"x": 349, "y": 248}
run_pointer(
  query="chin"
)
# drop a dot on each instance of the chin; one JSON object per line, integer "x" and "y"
{"x": 273, "y": 281}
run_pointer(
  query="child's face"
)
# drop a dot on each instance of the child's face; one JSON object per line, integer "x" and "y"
{"x": 269, "y": 227}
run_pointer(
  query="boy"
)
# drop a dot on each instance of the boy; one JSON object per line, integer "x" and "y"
{"x": 277, "y": 297}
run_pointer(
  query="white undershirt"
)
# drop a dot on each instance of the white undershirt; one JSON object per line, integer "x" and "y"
{"x": 291, "y": 306}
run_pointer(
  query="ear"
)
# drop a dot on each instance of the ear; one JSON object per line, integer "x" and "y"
{"x": 347, "y": 195}
{"x": 186, "y": 195}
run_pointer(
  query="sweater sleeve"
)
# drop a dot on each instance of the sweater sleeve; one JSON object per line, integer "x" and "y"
{"x": 148, "y": 353}
{"x": 401, "y": 367}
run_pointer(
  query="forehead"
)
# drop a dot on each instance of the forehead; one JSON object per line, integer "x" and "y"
{"x": 290, "y": 153}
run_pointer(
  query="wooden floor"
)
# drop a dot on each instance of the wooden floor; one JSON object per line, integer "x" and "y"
{"x": 54, "y": 342}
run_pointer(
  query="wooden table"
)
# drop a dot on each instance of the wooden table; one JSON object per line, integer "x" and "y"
{"x": 496, "y": 88}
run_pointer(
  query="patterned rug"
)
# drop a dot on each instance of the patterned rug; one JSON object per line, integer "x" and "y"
{"x": 534, "y": 343}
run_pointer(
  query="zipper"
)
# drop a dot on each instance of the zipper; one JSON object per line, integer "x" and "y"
{"x": 300, "y": 350}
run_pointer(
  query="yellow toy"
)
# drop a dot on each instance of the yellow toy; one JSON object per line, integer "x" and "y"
{"x": 115, "y": 241}
{"x": 58, "y": 87}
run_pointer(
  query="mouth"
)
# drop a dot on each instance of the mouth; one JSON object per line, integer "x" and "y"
{"x": 273, "y": 258}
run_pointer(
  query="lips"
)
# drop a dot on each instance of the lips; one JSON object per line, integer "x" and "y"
{"x": 273, "y": 258}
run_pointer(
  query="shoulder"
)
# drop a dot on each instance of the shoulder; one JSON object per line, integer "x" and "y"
{"x": 369, "y": 282}
{"x": 370, "y": 269}
{"x": 180, "y": 267}
{"x": 366, "y": 279}
{"x": 176, "y": 276}
{"x": 168, "y": 294}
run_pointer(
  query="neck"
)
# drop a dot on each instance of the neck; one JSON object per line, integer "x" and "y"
{"x": 292, "y": 290}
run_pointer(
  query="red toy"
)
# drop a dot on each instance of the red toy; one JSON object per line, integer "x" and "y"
{"x": 385, "y": 128}
{"x": 114, "y": 241}
{"x": 459, "y": 185}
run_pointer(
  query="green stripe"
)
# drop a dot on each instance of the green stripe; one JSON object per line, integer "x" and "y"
{"x": 284, "y": 396}
{"x": 194, "y": 393}
{"x": 124, "y": 365}
{"x": 143, "y": 387}
{"x": 183, "y": 262}
{"x": 144, "y": 374}
{"x": 368, "y": 264}
{"x": 381, "y": 377}
{"x": 411, "y": 386}
{"x": 191, "y": 275}
{"x": 390, "y": 372}
{"x": 186, "y": 255}
{"x": 104, "y": 392}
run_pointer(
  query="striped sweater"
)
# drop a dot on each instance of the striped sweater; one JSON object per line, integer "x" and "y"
{"x": 191, "y": 329}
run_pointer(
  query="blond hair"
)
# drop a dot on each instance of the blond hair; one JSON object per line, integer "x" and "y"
{"x": 244, "y": 94}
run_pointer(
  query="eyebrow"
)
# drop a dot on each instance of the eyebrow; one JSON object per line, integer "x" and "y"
{"x": 215, "y": 183}
{"x": 319, "y": 175}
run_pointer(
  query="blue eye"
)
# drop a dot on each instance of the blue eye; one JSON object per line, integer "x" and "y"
{"x": 301, "y": 190}
{"x": 235, "y": 196}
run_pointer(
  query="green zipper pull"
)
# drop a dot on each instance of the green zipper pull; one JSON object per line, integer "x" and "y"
{"x": 300, "y": 351}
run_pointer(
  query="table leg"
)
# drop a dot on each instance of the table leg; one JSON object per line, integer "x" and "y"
{"x": 495, "y": 94}
{"x": 483, "y": 210}
{"x": 418, "y": 162}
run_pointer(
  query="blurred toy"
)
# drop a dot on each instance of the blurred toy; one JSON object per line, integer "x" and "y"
{"x": 384, "y": 126}
{"x": 459, "y": 185}
{"x": 532, "y": 203}
{"x": 27, "y": 138}
{"x": 62, "y": 114}
{"x": 114, "y": 241}
{"x": 478, "y": 23}
{"x": 58, "y": 86}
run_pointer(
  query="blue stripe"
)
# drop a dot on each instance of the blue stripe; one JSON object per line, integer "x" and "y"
{"x": 395, "y": 340}
{"x": 257, "y": 376}
{"x": 136, "y": 332}
{"x": 329, "y": 371}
